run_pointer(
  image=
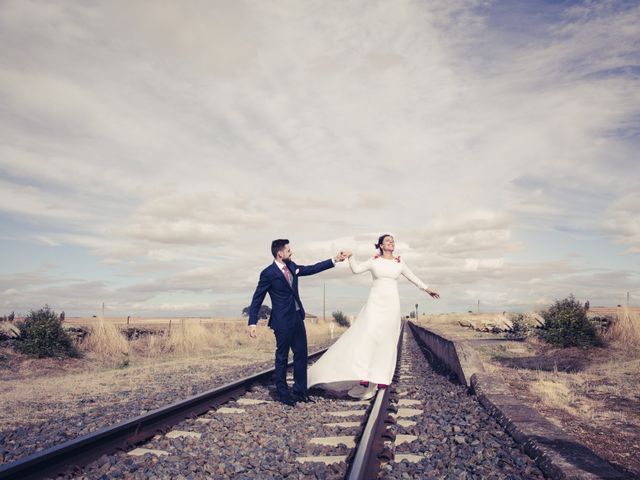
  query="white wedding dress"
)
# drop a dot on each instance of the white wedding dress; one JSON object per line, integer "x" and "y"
{"x": 368, "y": 349}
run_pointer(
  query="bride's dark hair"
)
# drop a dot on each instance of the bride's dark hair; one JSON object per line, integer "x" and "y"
{"x": 380, "y": 240}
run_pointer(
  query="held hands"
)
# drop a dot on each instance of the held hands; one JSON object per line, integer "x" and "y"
{"x": 340, "y": 257}
{"x": 432, "y": 293}
{"x": 343, "y": 255}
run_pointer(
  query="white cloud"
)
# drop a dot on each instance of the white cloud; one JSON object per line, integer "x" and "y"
{"x": 170, "y": 139}
{"x": 623, "y": 221}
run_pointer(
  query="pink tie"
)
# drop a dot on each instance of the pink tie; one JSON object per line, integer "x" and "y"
{"x": 287, "y": 274}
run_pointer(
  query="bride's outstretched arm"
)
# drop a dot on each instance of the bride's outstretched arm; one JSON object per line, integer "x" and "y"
{"x": 359, "y": 267}
{"x": 409, "y": 275}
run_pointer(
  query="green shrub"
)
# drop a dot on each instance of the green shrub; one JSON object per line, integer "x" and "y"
{"x": 42, "y": 335}
{"x": 567, "y": 325}
{"x": 340, "y": 318}
{"x": 263, "y": 313}
{"x": 521, "y": 327}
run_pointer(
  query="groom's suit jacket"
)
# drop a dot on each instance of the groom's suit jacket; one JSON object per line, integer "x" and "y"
{"x": 285, "y": 299}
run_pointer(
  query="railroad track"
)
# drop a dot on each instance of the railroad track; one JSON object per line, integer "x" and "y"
{"x": 423, "y": 426}
{"x": 122, "y": 436}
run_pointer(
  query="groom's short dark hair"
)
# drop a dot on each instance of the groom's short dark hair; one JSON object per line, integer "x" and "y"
{"x": 278, "y": 245}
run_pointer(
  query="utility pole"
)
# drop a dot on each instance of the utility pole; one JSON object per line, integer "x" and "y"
{"x": 627, "y": 299}
{"x": 478, "y": 306}
{"x": 416, "y": 312}
{"x": 102, "y": 309}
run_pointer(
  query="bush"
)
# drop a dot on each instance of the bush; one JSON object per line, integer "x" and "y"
{"x": 42, "y": 335}
{"x": 340, "y": 318}
{"x": 518, "y": 329}
{"x": 567, "y": 325}
{"x": 263, "y": 314}
{"x": 521, "y": 327}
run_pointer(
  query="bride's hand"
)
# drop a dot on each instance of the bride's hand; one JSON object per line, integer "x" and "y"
{"x": 432, "y": 293}
{"x": 346, "y": 253}
{"x": 340, "y": 257}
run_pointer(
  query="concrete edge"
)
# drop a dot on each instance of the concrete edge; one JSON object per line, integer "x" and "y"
{"x": 555, "y": 453}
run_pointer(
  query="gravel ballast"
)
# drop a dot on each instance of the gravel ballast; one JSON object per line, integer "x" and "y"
{"x": 456, "y": 437}
{"x": 88, "y": 414}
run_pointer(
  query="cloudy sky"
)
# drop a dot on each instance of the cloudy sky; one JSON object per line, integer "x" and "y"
{"x": 150, "y": 151}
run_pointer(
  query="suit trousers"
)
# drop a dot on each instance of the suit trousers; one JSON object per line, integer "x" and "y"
{"x": 294, "y": 339}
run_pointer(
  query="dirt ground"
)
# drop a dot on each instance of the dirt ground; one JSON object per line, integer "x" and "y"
{"x": 578, "y": 389}
{"x": 592, "y": 393}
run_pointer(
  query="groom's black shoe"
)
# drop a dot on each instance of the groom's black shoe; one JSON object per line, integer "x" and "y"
{"x": 303, "y": 398}
{"x": 287, "y": 401}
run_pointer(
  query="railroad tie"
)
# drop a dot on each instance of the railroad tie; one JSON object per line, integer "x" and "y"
{"x": 182, "y": 433}
{"x": 138, "y": 452}
{"x": 406, "y": 423}
{"x": 346, "y": 440}
{"x": 408, "y": 457}
{"x": 400, "y": 439}
{"x": 347, "y": 413}
{"x": 230, "y": 410}
{"x": 251, "y": 401}
{"x": 407, "y": 413}
{"x": 343, "y": 424}
{"x": 356, "y": 408}
{"x": 326, "y": 459}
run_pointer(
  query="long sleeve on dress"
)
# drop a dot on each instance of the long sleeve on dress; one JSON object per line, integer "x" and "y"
{"x": 409, "y": 275}
{"x": 359, "y": 267}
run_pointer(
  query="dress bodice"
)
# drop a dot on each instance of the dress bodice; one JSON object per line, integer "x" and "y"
{"x": 383, "y": 269}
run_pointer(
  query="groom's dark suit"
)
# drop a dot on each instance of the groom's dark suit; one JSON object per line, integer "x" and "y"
{"x": 287, "y": 320}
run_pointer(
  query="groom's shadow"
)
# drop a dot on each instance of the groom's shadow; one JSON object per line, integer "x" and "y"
{"x": 313, "y": 392}
{"x": 328, "y": 395}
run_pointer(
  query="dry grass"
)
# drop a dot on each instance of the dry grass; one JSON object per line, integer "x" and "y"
{"x": 105, "y": 341}
{"x": 552, "y": 390}
{"x": 184, "y": 338}
{"x": 593, "y": 397}
{"x": 567, "y": 392}
{"x": 625, "y": 330}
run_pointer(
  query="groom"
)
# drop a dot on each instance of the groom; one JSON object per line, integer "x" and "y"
{"x": 280, "y": 281}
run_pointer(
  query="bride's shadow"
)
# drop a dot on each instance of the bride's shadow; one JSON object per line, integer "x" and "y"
{"x": 335, "y": 391}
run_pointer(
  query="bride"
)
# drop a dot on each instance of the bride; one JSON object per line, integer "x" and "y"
{"x": 366, "y": 352}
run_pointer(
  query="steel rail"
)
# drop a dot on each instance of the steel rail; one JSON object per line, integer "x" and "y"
{"x": 82, "y": 450}
{"x": 366, "y": 461}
